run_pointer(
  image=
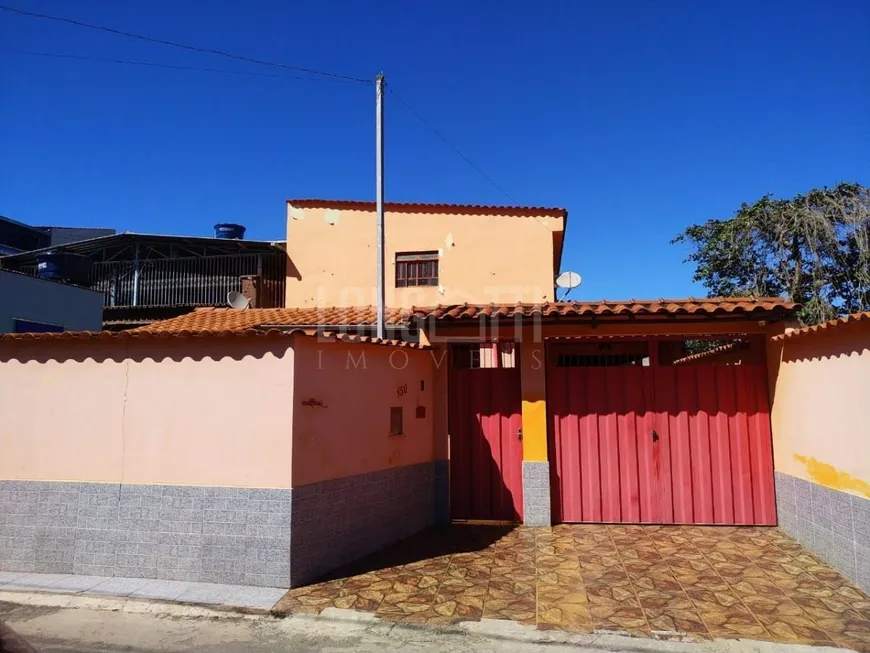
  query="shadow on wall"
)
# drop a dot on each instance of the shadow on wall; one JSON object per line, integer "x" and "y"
{"x": 485, "y": 450}
{"x": 848, "y": 340}
{"x": 433, "y": 545}
{"x": 292, "y": 271}
{"x": 156, "y": 349}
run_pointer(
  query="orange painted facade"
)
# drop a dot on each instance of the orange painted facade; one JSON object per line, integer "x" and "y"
{"x": 484, "y": 256}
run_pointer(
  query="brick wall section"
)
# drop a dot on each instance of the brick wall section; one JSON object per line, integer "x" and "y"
{"x": 834, "y": 524}
{"x": 208, "y": 534}
{"x": 336, "y": 522}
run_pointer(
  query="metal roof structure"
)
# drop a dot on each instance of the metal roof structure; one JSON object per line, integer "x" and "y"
{"x": 196, "y": 246}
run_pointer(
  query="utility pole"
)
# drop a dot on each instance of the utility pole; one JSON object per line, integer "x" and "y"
{"x": 379, "y": 169}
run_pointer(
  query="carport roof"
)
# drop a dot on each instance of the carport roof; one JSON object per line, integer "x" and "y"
{"x": 750, "y": 307}
{"x": 223, "y": 319}
{"x": 265, "y": 321}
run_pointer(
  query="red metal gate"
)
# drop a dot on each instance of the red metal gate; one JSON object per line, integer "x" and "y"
{"x": 484, "y": 418}
{"x": 672, "y": 444}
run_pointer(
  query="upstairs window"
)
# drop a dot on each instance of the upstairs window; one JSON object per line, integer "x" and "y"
{"x": 416, "y": 269}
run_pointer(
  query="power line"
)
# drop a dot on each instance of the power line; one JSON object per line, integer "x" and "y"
{"x": 183, "y": 46}
{"x": 451, "y": 146}
{"x": 58, "y": 55}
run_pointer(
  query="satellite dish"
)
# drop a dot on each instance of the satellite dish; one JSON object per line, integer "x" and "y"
{"x": 568, "y": 281}
{"x": 237, "y": 300}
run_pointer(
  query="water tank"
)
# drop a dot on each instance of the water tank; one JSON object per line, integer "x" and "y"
{"x": 229, "y": 231}
{"x": 64, "y": 266}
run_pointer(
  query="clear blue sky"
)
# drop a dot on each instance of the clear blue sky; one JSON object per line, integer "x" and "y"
{"x": 638, "y": 117}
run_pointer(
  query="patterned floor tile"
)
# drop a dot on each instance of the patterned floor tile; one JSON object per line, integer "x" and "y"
{"x": 672, "y": 619}
{"x": 847, "y": 628}
{"x": 522, "y": 610}
{"x": 619, "y": 618}
{"x": 769, "y": 609}
{"x": 565, "y": 616}
{"x": 713, "y": 582}
{"x": 755, "y": 586}
{"x": 556, "y": 594}
{"x": 673, "y": 581}
{"x": 658, "y": 600}
{"x": 716, "y": 601}
{"x": 610, "y": 595}
{"x": 793, "y": 627}
{"x": 559, "y": 576}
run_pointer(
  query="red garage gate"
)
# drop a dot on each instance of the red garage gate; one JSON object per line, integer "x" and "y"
{"x": 641, "y": 436}
{"x": 485, "y": 420}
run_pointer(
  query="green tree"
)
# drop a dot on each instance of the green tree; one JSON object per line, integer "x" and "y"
{"x": 813, "y": 249}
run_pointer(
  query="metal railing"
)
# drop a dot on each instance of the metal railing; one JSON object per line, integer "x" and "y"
{"x": 201, "y": 281}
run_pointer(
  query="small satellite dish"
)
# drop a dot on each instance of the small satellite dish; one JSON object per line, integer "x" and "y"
{"x": 568, "y": 281}
{"x": 237, "y": 300}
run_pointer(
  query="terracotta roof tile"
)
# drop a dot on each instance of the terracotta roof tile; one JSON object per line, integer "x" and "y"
{"x": 825, "y": 326}
{"x": 231, "y": 319}
{"x": 273, "y": 321}
{"x": 688, "y": 306}
{"x": 426, "y": 207}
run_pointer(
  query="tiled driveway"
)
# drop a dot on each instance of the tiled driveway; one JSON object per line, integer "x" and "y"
{"x": 754, "y": 583}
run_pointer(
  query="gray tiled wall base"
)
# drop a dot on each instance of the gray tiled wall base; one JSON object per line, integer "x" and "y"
{"x": 536, "y": 494}
{"x": 205, "y": 534}
{"x": 834, "y": 524}
{"x": 336, "y": 522}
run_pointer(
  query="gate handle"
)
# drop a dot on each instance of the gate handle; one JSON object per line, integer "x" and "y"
{"x": 520, "y": 434}
{"x": 655, "y": 436}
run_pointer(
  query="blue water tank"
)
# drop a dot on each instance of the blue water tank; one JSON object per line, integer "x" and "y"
{"x": 64, "y": 266}
{"x": 229, "y": 231}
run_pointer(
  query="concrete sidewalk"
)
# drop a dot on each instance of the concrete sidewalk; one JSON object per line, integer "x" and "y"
{"x": 238, "y": 597}
{"x": 71, "y": 623}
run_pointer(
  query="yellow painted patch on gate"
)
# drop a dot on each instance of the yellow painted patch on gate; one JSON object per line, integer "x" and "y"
{"x": 830, "y": 476}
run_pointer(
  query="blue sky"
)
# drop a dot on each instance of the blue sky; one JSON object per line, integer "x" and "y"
{"x": 639, "y": 117}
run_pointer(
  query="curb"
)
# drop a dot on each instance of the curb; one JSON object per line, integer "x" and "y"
{"x": 133, "y": 605}
{"x": 508, "y": 631}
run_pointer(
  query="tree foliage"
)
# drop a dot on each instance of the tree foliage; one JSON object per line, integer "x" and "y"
{"x": 813, "y": 249}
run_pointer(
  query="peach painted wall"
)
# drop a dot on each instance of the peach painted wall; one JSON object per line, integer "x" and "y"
{"x": 349, "y": 388}
{"x": 62, "y": 410}
{"x": 215, "y": 412}
{"x": 484, "y": 258}
{"x": 821, "y": 423}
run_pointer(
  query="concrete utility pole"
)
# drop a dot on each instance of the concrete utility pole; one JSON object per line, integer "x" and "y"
{"x": 379, "y": 169}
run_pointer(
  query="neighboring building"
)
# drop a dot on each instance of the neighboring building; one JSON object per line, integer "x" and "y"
{"x": 30, "y": 304}
{"x": 435, "y": 253}
{"x": 63, "y": 235}
{"x": 17, "y": 237}
{"x": 145, "y": 277}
